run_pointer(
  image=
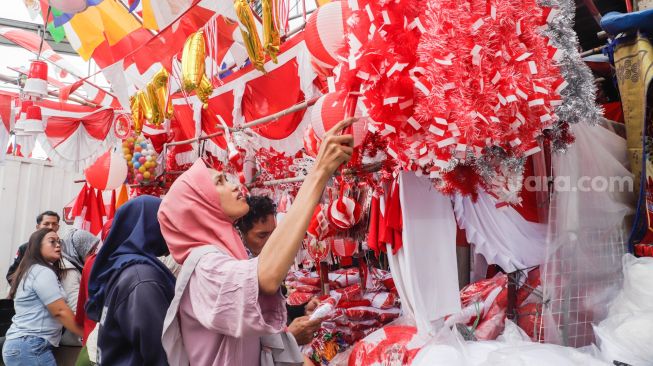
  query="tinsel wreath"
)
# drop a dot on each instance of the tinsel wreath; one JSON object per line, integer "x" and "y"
{"x": 579, "y": 97}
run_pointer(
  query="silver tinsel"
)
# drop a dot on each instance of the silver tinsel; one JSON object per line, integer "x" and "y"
{"x": 579, "y": 97}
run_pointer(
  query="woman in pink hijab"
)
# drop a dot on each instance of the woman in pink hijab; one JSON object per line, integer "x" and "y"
{"x": 228, "y": 309}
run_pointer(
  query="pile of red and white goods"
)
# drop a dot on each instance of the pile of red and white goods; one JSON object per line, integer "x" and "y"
{"x": 350, "y": 312}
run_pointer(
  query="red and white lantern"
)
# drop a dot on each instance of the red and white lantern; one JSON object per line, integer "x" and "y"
{"x": 108, "y": 172}
{"x": 325, "y": 33}
{"x": 69, "y": 6}
{"x": 36, "y": 85}
{"x": 345, "y": 213}
{"x": 30, "y": 121}
{"x": 329, "y": 110}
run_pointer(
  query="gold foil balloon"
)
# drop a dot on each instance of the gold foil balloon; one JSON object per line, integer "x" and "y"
{"x": 192, "y": 61}
{"x": 152, "y": 98}
{"x": 161, "y": 82}
{"x": 250, "y": 34}
{"x": 137, "y": 113}
{"x": 204, "y": 91}
{"x": 271, "y": 39}
{"x": 144, "y": 103}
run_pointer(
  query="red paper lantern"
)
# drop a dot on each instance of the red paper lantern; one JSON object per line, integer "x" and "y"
{"x": 344, "y": 213}
{"x": 329, "y": 110}
{"x": 324, "y": 35}
{"x": 108, "y": 172}
{"x": 69, "y": 6}
{"x": 36, "y": 85}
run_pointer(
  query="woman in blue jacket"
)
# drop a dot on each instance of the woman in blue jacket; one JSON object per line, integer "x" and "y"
{"x": 130, "y": 290}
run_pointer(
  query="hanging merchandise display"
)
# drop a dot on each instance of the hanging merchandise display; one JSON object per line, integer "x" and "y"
{"x": 141, "y": 159}
{"x": 465, "y": 125}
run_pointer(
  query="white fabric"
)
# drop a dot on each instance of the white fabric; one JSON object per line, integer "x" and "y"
{"x": 425, "y": 268}
{"x": 625, "y": 335}
{"x": 502, "y": 235}
{"x": 91, "y": 344}
{"x": 493, "y": 353}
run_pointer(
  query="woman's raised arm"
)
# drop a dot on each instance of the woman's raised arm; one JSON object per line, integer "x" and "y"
{"x": 281, "y": 248}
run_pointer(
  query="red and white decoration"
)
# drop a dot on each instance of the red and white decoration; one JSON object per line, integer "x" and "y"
{"x": 331, "y": 109}
{"x": 344, "y": 212}
{"x": 324, "y": 33}
{"x": 36, "y": 85}
{"x": 108, "y": 172}
{"x": 75, "y": 135}
{"x": 246, "y": 96}
{"x": 30, "y": 120}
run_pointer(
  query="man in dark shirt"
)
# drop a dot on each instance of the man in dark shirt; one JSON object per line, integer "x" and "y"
{"x": 256, "y": 228}
{"x": 47, "y": 219}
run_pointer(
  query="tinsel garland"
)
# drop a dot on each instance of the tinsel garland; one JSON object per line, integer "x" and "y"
{"x": 579, "y": 97}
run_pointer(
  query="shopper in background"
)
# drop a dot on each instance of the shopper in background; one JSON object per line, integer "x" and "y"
{"x": 47, "y": 219}
{"x": 39, "y": 301}
{"x": 226, "y": 306}
{"x": 130, "y": 289}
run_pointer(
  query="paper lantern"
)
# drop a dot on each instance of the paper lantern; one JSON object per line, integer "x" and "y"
{"x": 30, "y": 122}
{"x": 344, "y": 213}
{"x": 344, "y": 247}
{"x": 108, "y": 172}
{"x": 36, "y": 85}
{"x": 325, "y": 33}
{"x": 69, "y": 6}
{"x": 329, "y": 110}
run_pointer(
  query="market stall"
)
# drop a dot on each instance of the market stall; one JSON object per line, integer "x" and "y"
{"x": 477, "y": 124}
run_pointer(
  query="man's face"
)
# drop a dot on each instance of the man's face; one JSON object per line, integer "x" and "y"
{"x": 256, "y": 238}
{"x": 50, "y": 222}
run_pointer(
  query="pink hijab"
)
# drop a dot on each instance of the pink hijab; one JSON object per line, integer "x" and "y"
{"x": 191, "y": 216}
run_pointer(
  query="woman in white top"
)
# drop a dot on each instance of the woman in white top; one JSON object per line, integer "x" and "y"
{"x": 39, "y": 301}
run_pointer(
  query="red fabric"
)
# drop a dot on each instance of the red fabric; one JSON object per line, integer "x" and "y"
{"x": 169, "y": 42}
{"x": 393, "y": 222}
{"x": 80, "y": 202}
{"x": 528, "y": 207}
{"x": 183, "y": 127}
{"x": 6, "y": 101}
{"x": 80, "y": 316}
{"x": 97, "y": 125}
{"x": 100, "y": 204}
{"x": 221, "y": 105}
{"x": 373, "y": 231}
{"x": 271, "y": 93}
{"x": 65, "y": 107}
{"x": 613, "y": 111}
{"x": 112, "y": 206}
{"x": 93, "y": 219}
{"x": 106, "y": 55}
